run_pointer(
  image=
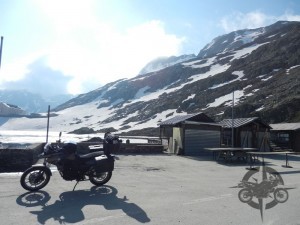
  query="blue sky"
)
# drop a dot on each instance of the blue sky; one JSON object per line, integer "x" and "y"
{"x": 84, "y": 44}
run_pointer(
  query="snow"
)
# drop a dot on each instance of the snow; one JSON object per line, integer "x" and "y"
{"x": 140, "y": 93}
{"x": 259, "y": 109}
{"x": 227, "y": 98}
{"x": 248, "y": 36}
{"x": 246, "y": 51}
{"x": 39, "y": 136}
{"x": 214, "y": 70}
{"x": 249, "y": 86}
{"x": 89, "y": 115}
{"x": 191, "y": 104}
{"x": 224, "y": 41}
{"x": 194, "y": 64}
{"x": 189, "y": 97}
{"x": 209, "y": 45}
{"x": 118, "y": 101}
{"x": 291, "y": 68}
{"x": 271, "y": 36}
{"x": 240, "y": 74}
{"x": 268, "y": 78}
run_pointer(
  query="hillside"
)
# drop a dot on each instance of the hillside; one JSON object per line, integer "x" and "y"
{"x": 261, "y": 65}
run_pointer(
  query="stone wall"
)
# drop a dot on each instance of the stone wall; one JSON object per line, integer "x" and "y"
{"x": 16, "y": 160}
{"x": 141, "y": 148}
{"x": 83, "y": 148}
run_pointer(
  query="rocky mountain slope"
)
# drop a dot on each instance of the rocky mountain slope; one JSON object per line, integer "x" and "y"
{"x": 164, "y": 62}
{"x": 260, "y": 66}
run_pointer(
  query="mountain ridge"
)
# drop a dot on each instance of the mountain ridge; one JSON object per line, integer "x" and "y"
{"x": 263, "y": 72}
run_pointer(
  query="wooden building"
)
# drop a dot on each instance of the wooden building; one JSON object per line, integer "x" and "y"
{"x": 286, "y": 136}
{"x": 247, "y": 133}
{"x": 190, "y": 134}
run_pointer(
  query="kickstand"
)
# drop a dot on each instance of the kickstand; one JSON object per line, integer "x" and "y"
{"x": 75, "y": 185}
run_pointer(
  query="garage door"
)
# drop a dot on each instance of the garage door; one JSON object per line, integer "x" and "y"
{"x": 197, "y": 140}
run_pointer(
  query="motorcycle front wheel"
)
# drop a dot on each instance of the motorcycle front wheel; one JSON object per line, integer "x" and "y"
{"x": 35, "y": 179}
{"x": 100, "y": 178}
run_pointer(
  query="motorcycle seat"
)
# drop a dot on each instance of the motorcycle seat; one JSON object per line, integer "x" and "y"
{"x": 91, "y": 155}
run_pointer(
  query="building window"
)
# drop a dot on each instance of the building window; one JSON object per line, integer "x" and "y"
{"x": 283, "y": 137}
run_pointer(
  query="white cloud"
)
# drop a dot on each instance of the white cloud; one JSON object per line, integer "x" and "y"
{"x": 289, "y": 16}
{"x": 89, "y": 49}
{"x": 107, "y": 54}
{"x": 255, "y": 19}
{"x": 18, "y": 68}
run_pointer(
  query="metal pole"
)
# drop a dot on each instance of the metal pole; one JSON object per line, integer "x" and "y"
{"x": 48, "y": 117}
{"x": 232, "y": 121}
{"x": 1, "y": 50}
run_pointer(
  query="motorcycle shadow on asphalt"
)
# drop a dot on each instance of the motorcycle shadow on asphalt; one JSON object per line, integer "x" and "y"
{"x": 68, "y": 209}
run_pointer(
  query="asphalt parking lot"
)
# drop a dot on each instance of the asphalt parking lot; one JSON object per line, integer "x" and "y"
{"x": 154, "y": 189}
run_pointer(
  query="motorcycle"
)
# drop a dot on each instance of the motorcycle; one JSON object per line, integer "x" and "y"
{"x": 95, "y": 166}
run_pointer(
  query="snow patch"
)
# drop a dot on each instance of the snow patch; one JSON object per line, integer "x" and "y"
{"x": 293, "y": 67}
{"x": 240, "y": 74}
{"x": 268, "y": 78}
{"x": 259, "y": 109}
{"x": 227, "y": 98}
{"x": 194, "y": 64}
{"x": 190, "y": 97}
{"x": 140, "y": 93}
{"x": 246, "y": 51}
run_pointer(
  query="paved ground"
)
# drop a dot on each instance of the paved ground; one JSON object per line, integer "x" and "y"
{"x": 152, "y": 189}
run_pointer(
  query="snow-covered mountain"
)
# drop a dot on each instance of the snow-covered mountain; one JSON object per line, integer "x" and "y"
{"x": 8, "y": 109}
{"x": 30, "y": 102}
{"x": 164, "y": 62}
{"x": 262, "y": 66}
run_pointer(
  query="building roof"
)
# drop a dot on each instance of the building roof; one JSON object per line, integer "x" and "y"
{"x": 285, "y": 126}
{"x": 239, "y": 122}
{"x": 197, "y": 117}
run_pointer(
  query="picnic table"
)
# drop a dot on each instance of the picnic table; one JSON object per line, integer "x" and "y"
{"x": 230, "y": 153}
{"x": 286, "y": 153}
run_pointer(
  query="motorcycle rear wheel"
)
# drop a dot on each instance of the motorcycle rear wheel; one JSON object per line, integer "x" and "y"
{"x": 35, "y": 179}
{"x": 100, "y": 179}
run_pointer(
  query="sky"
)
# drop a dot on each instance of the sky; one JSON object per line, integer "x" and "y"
{"x": 75, "y": 46}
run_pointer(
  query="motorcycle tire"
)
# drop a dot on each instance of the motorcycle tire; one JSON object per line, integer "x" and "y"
{"x": 281, "y": 195}
{"x": 245, "y": 195}
{"x": 100, "y": 179}
{"x": 35, "y": 178}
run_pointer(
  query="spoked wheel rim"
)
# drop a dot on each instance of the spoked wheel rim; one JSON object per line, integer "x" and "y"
{"x": 100, "y": 178}
{"x": 34, "y": 179}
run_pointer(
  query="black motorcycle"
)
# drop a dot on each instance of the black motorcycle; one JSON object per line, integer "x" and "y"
{"x": 95, "y": 166}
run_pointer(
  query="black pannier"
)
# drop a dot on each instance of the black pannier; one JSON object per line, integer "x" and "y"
{"x": 104, "y": 164}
